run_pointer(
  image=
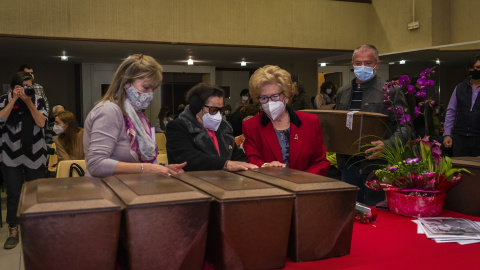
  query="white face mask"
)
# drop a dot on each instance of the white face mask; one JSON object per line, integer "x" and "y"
{"x": 57, "y": 129}
{"x": 212, "y": 122}
{"x": 274, "y": 109}
{"x": 244, "y": 98}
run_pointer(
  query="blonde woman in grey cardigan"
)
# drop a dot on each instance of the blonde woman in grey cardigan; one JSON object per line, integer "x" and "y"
{"x": 117, "y": 135}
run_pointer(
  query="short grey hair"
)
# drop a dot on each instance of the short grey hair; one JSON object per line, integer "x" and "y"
{"x": 364, "y": 48}
{"x": 54, "y": 109}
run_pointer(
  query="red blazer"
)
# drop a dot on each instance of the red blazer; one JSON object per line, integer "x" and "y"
{"x": 307, "y": 152}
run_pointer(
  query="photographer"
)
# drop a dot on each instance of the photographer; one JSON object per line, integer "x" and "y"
{"x": 22, "y": 118}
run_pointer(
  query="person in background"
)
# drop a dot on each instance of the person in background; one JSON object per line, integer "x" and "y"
{"x": 117, "y": 136}
{"x": 38, "y": 88}
{"x": 462, "y": 121}
{"x": 280, "y": 136}
{"x": 244, "y": 100}
{"x": 50, "y": 135}
{"x": 162, "y": 119}
{"x": 22, "y": 118}
{"x": 325, "y": 100}
{"x": 228, "y": 111}
{"x": 201, "y": 138}
{"x": 365, "y": 93}
{"x": 180, "y": 109}
{"x": 248, "y": 111}
{"x": 298, "y": 99}
{"x": 69, "y": 142}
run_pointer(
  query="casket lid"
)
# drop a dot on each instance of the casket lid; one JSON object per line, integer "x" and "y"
{"x": 466, "y": 162}
{"x": 297, "y": 181}
{"x": 153, "y": 189}
{"x": 227, "y": 186}
{"x": 61, "y": 195}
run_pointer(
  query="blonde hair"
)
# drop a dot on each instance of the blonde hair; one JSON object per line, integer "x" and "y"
{"x": 271, "y": 75}
{"x": 137, "y": 66}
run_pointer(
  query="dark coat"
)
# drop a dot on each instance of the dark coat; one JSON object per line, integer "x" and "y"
{"x": 188, "y": 140}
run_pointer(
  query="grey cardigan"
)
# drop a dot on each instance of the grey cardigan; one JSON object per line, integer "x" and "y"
{"x": 105, "y": 140}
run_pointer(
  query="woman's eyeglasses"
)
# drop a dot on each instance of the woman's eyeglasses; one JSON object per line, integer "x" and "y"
{"x": 213, "y": 110}
{"x": 264, "y": 99}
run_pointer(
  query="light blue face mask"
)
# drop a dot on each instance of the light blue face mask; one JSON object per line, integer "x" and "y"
{"x": 328, "y": 91}
{"x": 363, "y": 73}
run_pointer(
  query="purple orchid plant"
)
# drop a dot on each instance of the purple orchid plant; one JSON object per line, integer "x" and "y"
{"x": 417, "y": 166}
{"x": 404, "y": 82}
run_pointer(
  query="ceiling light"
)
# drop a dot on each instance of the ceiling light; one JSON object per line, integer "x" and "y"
{"x": 438, "y": 61}
{"x": 402, "y": 62}
{"x": 243, "y": 64}
{"x": 190, "y": 62}
{"x": 323, "y": 64}
{"x": 391, "y": 63}
{"x": 64, "y": 57}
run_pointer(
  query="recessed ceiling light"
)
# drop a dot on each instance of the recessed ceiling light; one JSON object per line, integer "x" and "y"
{"x": 323, "y": 64}
{"x": 64, "y": 56}
{"x": 190, "y": 62}
{"x": 243, "y": 64}
{"x": 391, "y": 63}
{"x": 438, "y": 61}
{"x": 402, "y": 62}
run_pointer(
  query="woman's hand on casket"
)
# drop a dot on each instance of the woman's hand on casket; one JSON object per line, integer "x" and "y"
{"x": 233, "y": 166}
{"x": 274, "y": 164}
{"x": 177, "y": 168}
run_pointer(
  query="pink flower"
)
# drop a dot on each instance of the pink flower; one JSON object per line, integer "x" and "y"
{"x": 410, "y": 89}
{"x": 417, "y": 111}
{"x": 405, "y": 119}
{"x": 403, "y": 80}
{"x": 399, "y": 112}
{"x": 426, "y": 72}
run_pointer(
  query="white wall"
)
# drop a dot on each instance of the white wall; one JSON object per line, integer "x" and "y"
{"x": 237, "y": 80}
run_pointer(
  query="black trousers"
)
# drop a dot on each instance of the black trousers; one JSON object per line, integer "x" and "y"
{"x": 13, "y": 179}
{"x": 466, "y": 146}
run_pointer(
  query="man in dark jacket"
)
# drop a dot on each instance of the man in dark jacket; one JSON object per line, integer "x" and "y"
{"x": 365, "y": 93}
{"x": 462, "y": 122}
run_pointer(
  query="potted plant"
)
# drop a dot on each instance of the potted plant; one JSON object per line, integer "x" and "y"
{"x": 416, "y": 176}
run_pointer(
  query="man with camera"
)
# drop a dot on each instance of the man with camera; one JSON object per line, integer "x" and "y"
{"x": 38, "y": 88}
{"x": 22, "y": 119}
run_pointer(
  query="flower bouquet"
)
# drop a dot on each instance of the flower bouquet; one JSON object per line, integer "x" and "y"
{"x": 416, "y": 178}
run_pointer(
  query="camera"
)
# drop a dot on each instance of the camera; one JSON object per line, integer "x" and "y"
{"x": 29, "y": 91}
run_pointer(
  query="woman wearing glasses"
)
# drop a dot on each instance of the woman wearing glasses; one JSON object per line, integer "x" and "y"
{"x": 280, "y": 136}
{"x": 200, "y": 137}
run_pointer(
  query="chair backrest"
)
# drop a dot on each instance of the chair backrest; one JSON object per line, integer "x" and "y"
{"x": 52, "y": 160}
{"x": 69, "y": 168}
{"x": 162, "y": 159}
{"x": 161, "y": 142}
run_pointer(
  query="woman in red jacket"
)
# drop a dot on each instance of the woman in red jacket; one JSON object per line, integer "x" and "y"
{"x": 280, "y": 136}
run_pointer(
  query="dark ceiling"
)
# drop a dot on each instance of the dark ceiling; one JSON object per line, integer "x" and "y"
{"x": 50, "y": 50}
{"x": 38, "y": 50}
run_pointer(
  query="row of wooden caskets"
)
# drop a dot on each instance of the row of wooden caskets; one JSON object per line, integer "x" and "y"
{"x": 244, "y": 220}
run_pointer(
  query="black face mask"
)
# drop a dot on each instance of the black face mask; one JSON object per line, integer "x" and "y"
{"x": 475, "y": 74}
